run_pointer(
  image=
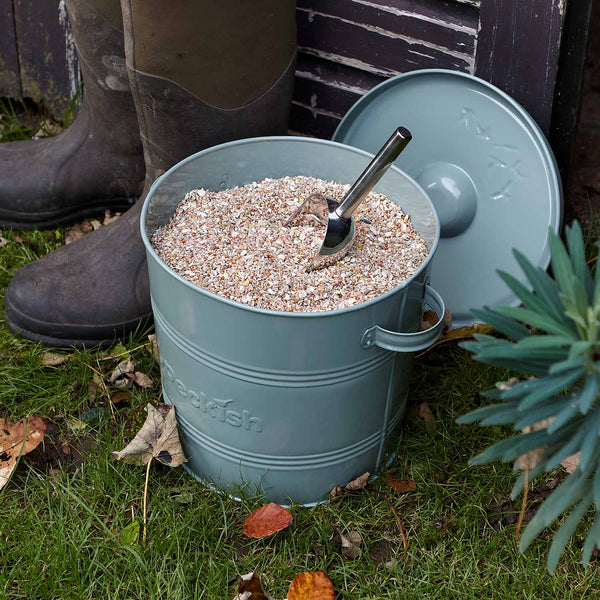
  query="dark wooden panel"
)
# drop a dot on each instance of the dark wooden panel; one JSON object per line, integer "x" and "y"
{"x": 395, "y": 18}
{"x": 458, "y": 12}
{"x": 518, "y": 51}
{"x": 370, "y": 49}
{"x": 570, "y": 77}
{"x": 46, "y": 52}
{"x": 307, "y": 121}
{"x": 10, "y": 78}
{"x": 331, "y": 87}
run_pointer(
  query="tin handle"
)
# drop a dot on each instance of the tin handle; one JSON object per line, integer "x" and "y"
{"x": 408, "y": 342}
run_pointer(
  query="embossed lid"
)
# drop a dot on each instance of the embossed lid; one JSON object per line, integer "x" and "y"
{"x": 486, "y": 166}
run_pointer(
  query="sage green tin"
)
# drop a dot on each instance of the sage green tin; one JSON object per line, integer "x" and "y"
{"x": 291, "y": 404}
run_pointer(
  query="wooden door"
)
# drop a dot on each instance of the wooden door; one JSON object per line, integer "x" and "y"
{"x": 348, "y": 46}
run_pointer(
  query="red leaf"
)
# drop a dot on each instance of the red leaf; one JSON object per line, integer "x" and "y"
{"x": 267, "y": 520}
{"x": 401, "y": 485}
{"x": 314, "y": 585}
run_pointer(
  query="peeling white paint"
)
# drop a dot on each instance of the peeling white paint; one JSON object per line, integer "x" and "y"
{"x": 73, "y": 71}
{"x": 332, "y": 82}
{"x": 318, "y": 111}
{"x": 467, "y": 58}
{"x": 405, "y": 13}
{"x": 350, "y": 62}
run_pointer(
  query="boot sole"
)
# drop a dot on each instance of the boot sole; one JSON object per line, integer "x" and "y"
{"x": 83, "y": 341}
{"x": 12, "y": 220}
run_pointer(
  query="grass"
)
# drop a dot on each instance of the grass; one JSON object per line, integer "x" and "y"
{"x": 63, "y": 523}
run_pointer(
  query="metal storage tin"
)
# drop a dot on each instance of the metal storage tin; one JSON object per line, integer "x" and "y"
{"x": 292, "y": 404}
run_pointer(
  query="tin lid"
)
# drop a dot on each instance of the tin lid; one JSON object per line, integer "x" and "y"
{"x": 487, "y": 168}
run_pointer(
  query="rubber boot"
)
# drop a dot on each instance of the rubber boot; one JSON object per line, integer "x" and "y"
{"x": 201, "y": 73}
{"x": 97, "y": 163}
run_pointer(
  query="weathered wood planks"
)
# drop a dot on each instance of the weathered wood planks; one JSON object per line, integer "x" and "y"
{"x": 10, "y": 76}
{"x": 347, "y": 46}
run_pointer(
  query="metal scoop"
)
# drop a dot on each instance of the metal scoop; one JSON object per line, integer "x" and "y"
{"x": 337, "y": 216}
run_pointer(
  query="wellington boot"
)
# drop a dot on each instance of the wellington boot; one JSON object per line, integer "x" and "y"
{"x": 193, "y": 88}
{"x": 97, "y": 163}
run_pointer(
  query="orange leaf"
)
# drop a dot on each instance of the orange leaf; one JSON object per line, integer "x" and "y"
{"x": 267, "y": 520}
{"x": 17, "y": 439}
{"x": 401, "y": 485}
{"x": 314, "y": 585}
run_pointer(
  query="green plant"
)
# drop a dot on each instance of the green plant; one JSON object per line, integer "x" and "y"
{"x": 554, "y": 339}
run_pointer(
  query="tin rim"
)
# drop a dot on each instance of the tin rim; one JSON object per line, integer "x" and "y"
{"x": 321, "y": 314}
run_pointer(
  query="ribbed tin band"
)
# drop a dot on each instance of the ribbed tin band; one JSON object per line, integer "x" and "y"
{"x": 234, "y": 455}
{"x": 289, "y": 379}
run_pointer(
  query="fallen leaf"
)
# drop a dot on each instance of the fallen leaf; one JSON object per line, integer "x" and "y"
{"x": 250, "y": 588}
{"x": 154, "y": 346}
{"x": 119, "y": 396}
{"x": 425, "y": 413}
{"x": 461, "y": 333}
{"x": 3, "y": 241}
{"x": 267, "y": 520}
{"x": 118, "y": 350}
{"x": 571, "y": 463}
{"x": 314, "y": 585}
{"x": 143, "y": 380}
{"x": 158, "y": 438}
{"x": 359, "y": 483}
{"x": 401, "y": 485}
{"x": 124, "y": 368}
{"x": 335, "y": 493}
{"x": 49, "y": 359}
{"x": 17, "y": 439}
{"x": 95, "y": 224}
{"x": 25, "y": 241}
{"x": 348, "y": 544}
{"x": 77, "y": 231}
{"x": 92, "y": 391}
{"x": 108, "y": 218}
{"x": 530, "y": 459}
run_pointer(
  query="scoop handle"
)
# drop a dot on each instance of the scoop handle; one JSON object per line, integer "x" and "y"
{"x": 374, "y": 172}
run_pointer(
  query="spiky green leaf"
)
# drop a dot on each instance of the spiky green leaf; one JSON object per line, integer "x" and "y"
{"x": 564, "y": 416}
{"x": 588, "y": 395}
{"x": 568, "y": 493}
{"x": 591, "y": 541}
{"x": 566, "y": 531}
{"x": 549, "y": 387}
{"x": 506, "y": 325}
{"x": 543, "y": 285}
{"x": 546, "y": 410}
{"x": 576, "y": 246}
{"x": 539, "y": 320}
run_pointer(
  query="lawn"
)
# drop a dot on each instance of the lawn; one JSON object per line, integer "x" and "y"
{"x": 66, "y": 514}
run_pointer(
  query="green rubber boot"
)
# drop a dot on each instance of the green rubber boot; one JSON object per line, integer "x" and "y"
{"x": 201, "y": 73}
{"x": 97, "y": 163}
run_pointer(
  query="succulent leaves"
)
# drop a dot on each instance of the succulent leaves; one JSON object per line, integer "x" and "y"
{"x": 553, "y": 339}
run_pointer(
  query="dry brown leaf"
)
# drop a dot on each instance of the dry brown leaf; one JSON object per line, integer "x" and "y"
{"x": 158, "y": 438}
{"x": 349, "y": 544}
{"x": 530, "y": 459}
{"x": 359, "y": 483}
{"x": 461, "y": 333}
{"x": 314, "y": 585}
{"x": 124, "y": 368}
{"x": 119, "y": 396}
{"x": 143, "y": 380}
{"x": 401, "y": 485}
{"x": 571, "y": 463}
{"x": 335, "y": 493}
{"x": 77, "y": 231}
{"x": 267, "y": 520}
{"x": 425, "y": 413}
{"x": 154, "y": 346}
{"x": 92, "y": 391}
{"x": 250, "y": 588}
{"x": 49, "y": 359}
{"x": 108, "y": 218}
{"x": 3, "y": 241}
{"x": 95, "y": 224}
{"x": 17, "y": 439}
